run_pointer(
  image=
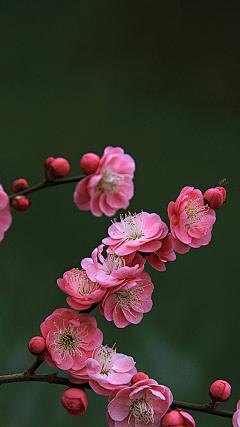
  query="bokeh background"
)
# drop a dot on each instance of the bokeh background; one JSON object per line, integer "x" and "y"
{"x": 160, "y": 79}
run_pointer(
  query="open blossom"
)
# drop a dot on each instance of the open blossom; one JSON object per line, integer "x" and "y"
{"x": 81, "y": 290}
{"x": 191, "y": 221}
{"x": 143, "y": 404}
{"x": 70, "y": 338}
{"x": 128, "y": 302}
{"x": 110, "y": 187}
{"x": 105, "y": 370}
{"x": 114, "y": 269}
{"x": 136, "y": 232}
{"x": 5, "y": 213}
{"x": 236, "y": 416}
{"x": 165, "y": 253}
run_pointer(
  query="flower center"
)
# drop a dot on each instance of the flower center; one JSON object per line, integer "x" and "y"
{"x": 69, "y": 340}
{"x": 195, "y": 212}
{"x": 110, "y": 182}
{"x": 81, "y": 282}
{"x": 104, "y": 355}
{"x": 131, "y": 226}
{"x": 142, "y": 411}
{"x": 113, "y": 262}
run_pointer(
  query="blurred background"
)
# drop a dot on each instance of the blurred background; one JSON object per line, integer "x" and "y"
{"x": 160, "y": 79}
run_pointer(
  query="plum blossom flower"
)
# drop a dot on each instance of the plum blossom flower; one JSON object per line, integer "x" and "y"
{"x": 81, "y": 290}
{"x": 219, "y": 391}
{"x": 70, "y": 338}
{"x": 236, "y": 416}
{"x": 215, "y": 197}
{"x": 110, "y": 187}
{"x": 114, "y": 269}
{"x": 177, "y": 418}
{"x": 191, "y": 221}
{"x": 128, "y": 302}
{"x": 165, "y": 253}
{"x": 144, "y": 403}
{"x": 105, "y": 370}
{"x": 136, "y": 232}
{"x": 75, "y": 401}
{"x": 5, "y": 213}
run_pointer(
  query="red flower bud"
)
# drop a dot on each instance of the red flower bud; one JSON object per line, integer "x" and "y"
{"x": 75, "y": 401}
{"x": 20, "y": 203}
{"x": 89, "y": 163}
{"x": 219, "y": 391}
{"x": 56, "y": 168}
{"x": 37, "y": 345}
{"x": 215, "y": 197}
{"x": 177, "y": 419}
{"x": 19, "y": 185}
{"x": 139, "y": 376}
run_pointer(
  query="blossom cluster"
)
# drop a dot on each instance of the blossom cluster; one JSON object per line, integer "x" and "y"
{"x": 114, "y": 277}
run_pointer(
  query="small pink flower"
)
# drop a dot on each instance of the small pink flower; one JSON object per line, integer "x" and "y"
{"x": 137, "y": 232}
{"x": 106, "y": 370}
{"x": 75, "y": 401}
{"x": 81, "y": 290}
{"x": 236, "y": 416}
{"x": 191, "y": 221}
{"x": 5, "y": 213}
{"x": 110, "y": 187}
{"x": 215, "y": 197}
{"x": 127, "y": 303}
{"x": 177, "y": 418}
{"x": 165, "y": 253}
{"x": 114, "y": 269}
{"x": 70, "y": 338}
{"x": 219, "y": 391}
{"x": 144, "y": 403}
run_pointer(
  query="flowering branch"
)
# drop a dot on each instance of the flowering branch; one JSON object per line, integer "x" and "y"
{"x": 46, "y": 184}
{"x": 208, "y": 408}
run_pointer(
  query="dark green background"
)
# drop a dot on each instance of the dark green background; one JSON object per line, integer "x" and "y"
{"x": 160, "y": 79}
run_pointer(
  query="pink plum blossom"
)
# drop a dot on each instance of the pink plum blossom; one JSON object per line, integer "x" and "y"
{"x": 219, "y": 391}
{"x": 5, "y": 213}
{"x": 191, "y": 221}
{"x": 144, "y": 403}
{"x": 114, "y": 269}
{"x": 215, "y": 197}
{"x": 177, "y": 418}
{"x": 70, "y": 338}
{"x": 105, "y": 370}
{"x": 165, "y": 253}
{"x": 110, "y": 187}
{"x": 81, "y": 290}
{"x": 236, "y": 416}
{"x": 75, "y": 401}
{"x": 136, "y": 232}
{"x": 127, "y": 303}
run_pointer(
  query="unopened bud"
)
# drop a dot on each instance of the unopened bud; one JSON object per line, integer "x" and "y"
{"x": 37, "y": 345}
{"x": 56, "y": 168}
{"x": 177, "y": 419}
{"x": 20, "y": 203}
{"x": 89, "y": 163}
{"x": 139, "y": 376}
{"x": 19, "y": 185}
{"x": 215, "y": 197}
{"x": 219, "y": 391}
{"x": 75, "y": 401}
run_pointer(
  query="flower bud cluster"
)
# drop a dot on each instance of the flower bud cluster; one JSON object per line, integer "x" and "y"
{"x": 56, "y": 168}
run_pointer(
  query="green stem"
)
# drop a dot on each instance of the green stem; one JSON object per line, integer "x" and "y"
{"x": 209, "y": 409}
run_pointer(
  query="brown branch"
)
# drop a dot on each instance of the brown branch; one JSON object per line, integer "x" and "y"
{"x": 46, "y": 184}
{"x": 208, "y": 409}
